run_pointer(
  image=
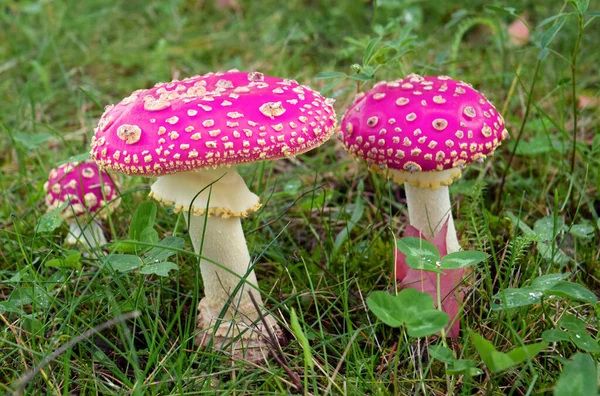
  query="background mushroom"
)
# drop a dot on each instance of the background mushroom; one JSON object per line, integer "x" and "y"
{"x": 189, "y": 133}
{"x": 422, "y": 131}
{"x": 88, "y": 192}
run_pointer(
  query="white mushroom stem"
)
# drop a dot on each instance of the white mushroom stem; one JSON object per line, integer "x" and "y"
{"x": 428, "y": 209}
{"x": 224, "y": 266}
{"x": 89, "y": 234}
{"x": 217, "y": 200}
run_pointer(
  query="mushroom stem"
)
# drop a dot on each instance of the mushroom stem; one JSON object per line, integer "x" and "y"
{"x": 89, "y": 234}
{"x": 428, "y": 209}
{"x": 224, "y": 264}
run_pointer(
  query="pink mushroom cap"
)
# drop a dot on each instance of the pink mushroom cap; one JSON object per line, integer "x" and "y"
{"x": 82, "y": 185}
{"x": 422, "y": 124}
{"x": 211, "y": 120}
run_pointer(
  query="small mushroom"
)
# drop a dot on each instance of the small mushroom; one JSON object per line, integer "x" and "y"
{"x": 433, "y": 139}
{"x": 89, "y": 195}
{"x": 192, "y": 146}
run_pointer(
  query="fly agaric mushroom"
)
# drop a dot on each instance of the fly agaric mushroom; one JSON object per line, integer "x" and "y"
{"x": 189, "y": 133}
{"x": 422, "y": 131}
{"x": 87, "y": 191}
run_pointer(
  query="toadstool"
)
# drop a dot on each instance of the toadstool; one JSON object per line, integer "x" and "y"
{"x": 189, "y": 133}
{"x": 87, "y": 192}
{"x": 422, "y": 131}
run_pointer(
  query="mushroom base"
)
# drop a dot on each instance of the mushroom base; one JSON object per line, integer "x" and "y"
{"x": 240, "y": 337}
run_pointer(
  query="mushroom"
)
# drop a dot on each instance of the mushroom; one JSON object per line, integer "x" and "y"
{"x": 189, "y": 133}
{"x": 422, "y": 131}
{"x": 87, "y": 192}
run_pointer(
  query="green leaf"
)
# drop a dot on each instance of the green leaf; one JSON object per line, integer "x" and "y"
{"x": 357, "y": 213}
{"x": 584, "y": 231}
{"x": 557, "y": 257}
{"x": 369, "y": 50}
{"x": 503, "y": 10}
{"x": 50, "y": 221}
{"x": 165, "y": 250}
{"x": 360, "y": 77}
{"x": 463, "y": 366}
{"x": 441, "y": 353}
{"x": 31, "y": 140}
{"x": 578, "y": 378}
{"x": 544, "y": 227}
{"x": 426, "y": 322}
{"x": 572, "y": 324}
{"x": 332, "y": 74}
{"x": 521, "y": 354}
{"x": 143, "y": 218}
{"x": 387, "y": 308}
{"x": 72, "y": 261}
{"x": 581, "y": 5}
{"x": 555, "y": 335}
{"x": 160, "y": 269}
{"x": 574, "y": 291}
{"x": 410, "y": 307}
{"x": 513, "y": 298}
{"x": 420, "y": 254}
{"x": 585, "y": 341}
{"x": 149, "y": 235}
{"x": 593, "y": 13}
{"x": 499, "y": 361}
{"x": 544, "y": 282}
{"x": 551, "y": 33}
{"x": 299, "y": 333}
{"x": 124, "y": 262}
{"x": 462, "y": 259}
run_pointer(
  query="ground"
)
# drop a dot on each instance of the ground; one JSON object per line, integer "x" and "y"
{"x": 325, "y": 237}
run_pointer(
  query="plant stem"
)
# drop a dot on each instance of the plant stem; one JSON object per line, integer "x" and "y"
{"x": 574, "y": 89}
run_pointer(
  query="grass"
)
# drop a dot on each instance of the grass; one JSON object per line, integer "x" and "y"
{"x": 325, "y": 236}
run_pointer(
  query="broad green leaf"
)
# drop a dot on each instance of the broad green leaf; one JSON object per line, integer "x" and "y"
{"x": 143, "y": 218}
{"x": 414, "y": 301}
{"x": 332, "y": 74}
{"x": 441, "y": 353}
{"x": 585, "y": 341}
{"x": 160, "y": 269}
{"x": 166, "y": 249}
{"x": 420, "y": 254}
{"x": 581, "y": 5}
{"x": 521, "y": 354}
{"x": 426, "y": 322}
{"x": 124, "y": 262}
{"x": 32, "y": 140}
{"x": 578, "y": 378}
{"x": 50, "y": 221}
{"x": 34, "y": 295}
{"x": 574, "y": 291}
{"x": 556, "y": 256}
{"x": 292, "y": 187}
{"x": 387, "y": 308}
{"x": 544, "y": 282}
{"x": 513, "y": 298}
{"x": 462, "y": 259}
{"x": 585, "y": 231}
{"x": 463, "y": 366}
{"x": 555, "y": 335}
{"x": 551, "y": 33}
{"x": 149, "y": 235}
{"x": 544, "y": 227}
{"x": 72, "y": 261}
{"x": 499, "y": 361}
{"x": 572, "y": 324}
